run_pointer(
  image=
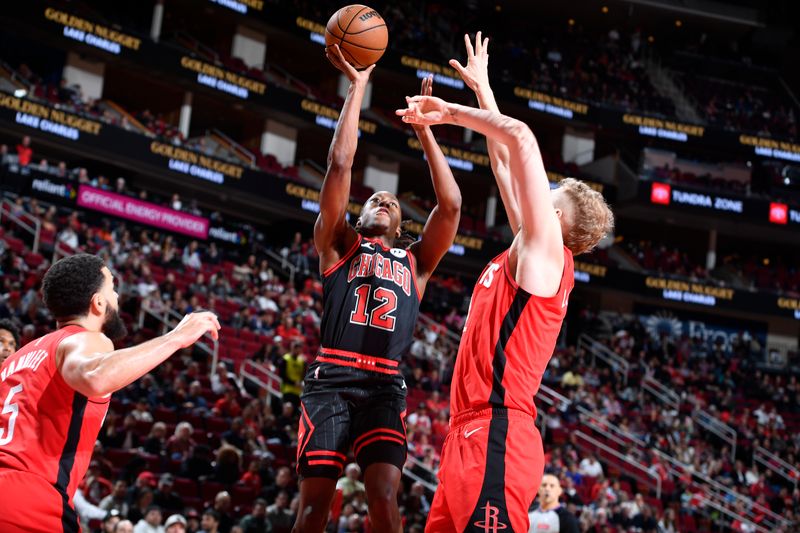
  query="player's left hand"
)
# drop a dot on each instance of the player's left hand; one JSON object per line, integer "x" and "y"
{"x": 424, "y": 110}
{"x": 426, "y": 89}
{"x": 476, "y": 73}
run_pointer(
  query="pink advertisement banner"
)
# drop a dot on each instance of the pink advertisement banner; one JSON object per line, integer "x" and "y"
{"x": 143, "y": 212}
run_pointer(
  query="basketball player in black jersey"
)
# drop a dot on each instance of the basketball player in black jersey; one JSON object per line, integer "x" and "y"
{"x": 354, "y": 394}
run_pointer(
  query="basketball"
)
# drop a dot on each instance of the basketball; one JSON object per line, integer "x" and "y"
{"x": 360, "y": 32}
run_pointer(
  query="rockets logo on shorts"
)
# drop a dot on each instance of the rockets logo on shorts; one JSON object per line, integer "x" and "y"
{"x": 490, "y": 523}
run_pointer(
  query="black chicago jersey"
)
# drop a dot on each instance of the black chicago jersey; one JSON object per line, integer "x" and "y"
{"x": 371, "y": 302}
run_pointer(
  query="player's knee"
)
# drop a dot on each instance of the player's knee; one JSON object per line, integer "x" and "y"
{"x": 382, "y": 498}
{"x": 311, "y": 518}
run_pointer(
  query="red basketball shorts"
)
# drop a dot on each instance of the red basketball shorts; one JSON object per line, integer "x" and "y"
{"x": 492, "y": 464}
{"x": 30, "y": 504}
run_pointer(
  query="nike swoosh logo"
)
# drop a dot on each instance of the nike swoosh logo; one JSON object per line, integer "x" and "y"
{"x": 468, "y": 434}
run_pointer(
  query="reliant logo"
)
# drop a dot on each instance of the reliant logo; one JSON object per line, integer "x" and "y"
{"x": 56, "y": 189}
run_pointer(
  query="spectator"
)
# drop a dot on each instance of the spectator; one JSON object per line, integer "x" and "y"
{"x": 252, "y": 477}
{"x": 222, "y": 379}
{"x": 222, "y": 505}
{"x": 572, "y": 380}
{"x": 279, "y": 514}
{"x": 256, "y": 522}
{"x": 226, "y": 471}
{"x": 156, "y": 440}
{"x": 191, "y": 256}
{"x": 151, "y": 522}
{"x": 591, "y": 467}
{"x": 292, "y": 371}
{"x": 24, "y": 151}
{"x": 165, "y": 496}
{"x": 110, "y": 521}
{"x": 228, "y": 406}
{"x": 9, "y": 339}
{"x": 175, "y": 524}
{"x": 419, "y": 420}
{"x": 142, "y": 411}
{"x": 668, "y": 524}
{"x": 180, "y": 444}
{"x": 282, "y": 482}
{"x": 124, "y": 526}
{"x": 350, "y": 483}
{"x": 69, "y": 238}
{"x": 117, "y": 501}
{"x": 210, "y": 522}
{"x": 198, "y": 464}
{"x": 143, "y": 505}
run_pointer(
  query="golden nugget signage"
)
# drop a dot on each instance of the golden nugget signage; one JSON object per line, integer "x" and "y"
{"x": 456, "y": 157}
{"x": 316, "y": 30}
{"x": 309, "y": 199}
{"x": 441, "y": 74}
{"x": 221, "y": 79}
{"x": 685, "y": 291}
{"x": 552, "y": 105}
{"x": 240, "y": 6}
{"x": 194, "y": 164}
{"x": 91, "y": 33}
{"x": 772, "y": 148}
{"x": 49, "y": 120}
{"x": 665, "y": 129}
{"x": 555, "y": 177}
{"x": 327, "y": 117}
{"x": 585, "y": 271}
{"x": 459, "y": 243}
{"x": 790, "y": 304}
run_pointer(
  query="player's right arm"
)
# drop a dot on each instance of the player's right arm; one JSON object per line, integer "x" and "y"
{"x": 89, "y": 363}
{"x": 539, "y": 244}
{"x": 476, "y": 76}
{"x": 333, "y": 236}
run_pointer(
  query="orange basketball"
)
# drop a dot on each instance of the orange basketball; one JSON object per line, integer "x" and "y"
{"x": 360, "y": 32}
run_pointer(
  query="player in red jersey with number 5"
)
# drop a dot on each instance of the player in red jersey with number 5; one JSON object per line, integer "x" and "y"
{"x": 56, "y": 390}
{"x": 492, "y": 461}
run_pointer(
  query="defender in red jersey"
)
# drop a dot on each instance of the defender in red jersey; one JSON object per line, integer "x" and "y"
{"x": 56, "y": 389}
{"x": 492, "y": 461}
{"x": 354, "y": 395}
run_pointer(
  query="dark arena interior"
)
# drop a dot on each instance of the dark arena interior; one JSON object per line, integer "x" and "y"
{"x": 185, "y": 142}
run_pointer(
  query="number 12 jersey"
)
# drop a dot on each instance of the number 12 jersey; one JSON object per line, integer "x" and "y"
{"x": 371, "y": 302}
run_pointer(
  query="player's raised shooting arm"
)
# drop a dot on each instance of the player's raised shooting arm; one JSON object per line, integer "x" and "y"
{"x": 331, "y": 225}
{"x": 442, "y": 224}
{"x": 476, "y": 76}
{"x": 89, "y": 363}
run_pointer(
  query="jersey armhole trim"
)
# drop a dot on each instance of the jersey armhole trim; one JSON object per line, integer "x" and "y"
{"x": 330, "y": 270}
{"x": 561, "y": 285}
{"x": 413, "y": 260}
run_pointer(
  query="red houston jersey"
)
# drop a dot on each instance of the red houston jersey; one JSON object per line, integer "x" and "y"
{"x": 46, "y": 427}
{"x": 508, "y": 339}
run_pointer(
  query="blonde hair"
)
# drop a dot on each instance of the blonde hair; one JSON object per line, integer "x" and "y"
{"x": 590, "y": 219}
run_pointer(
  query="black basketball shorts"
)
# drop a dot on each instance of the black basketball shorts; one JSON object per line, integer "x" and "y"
{"x": 369, "y": 420}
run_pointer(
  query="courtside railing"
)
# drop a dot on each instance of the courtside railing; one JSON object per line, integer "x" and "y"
{"x": 598, "y": 350}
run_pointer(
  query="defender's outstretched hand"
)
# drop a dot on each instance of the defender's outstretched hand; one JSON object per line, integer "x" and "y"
{"x": 426, "y": 89}
{"x": 425, "y": 111}
{"x": 476, "y": 73}
{"x": 334, "y": 55}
